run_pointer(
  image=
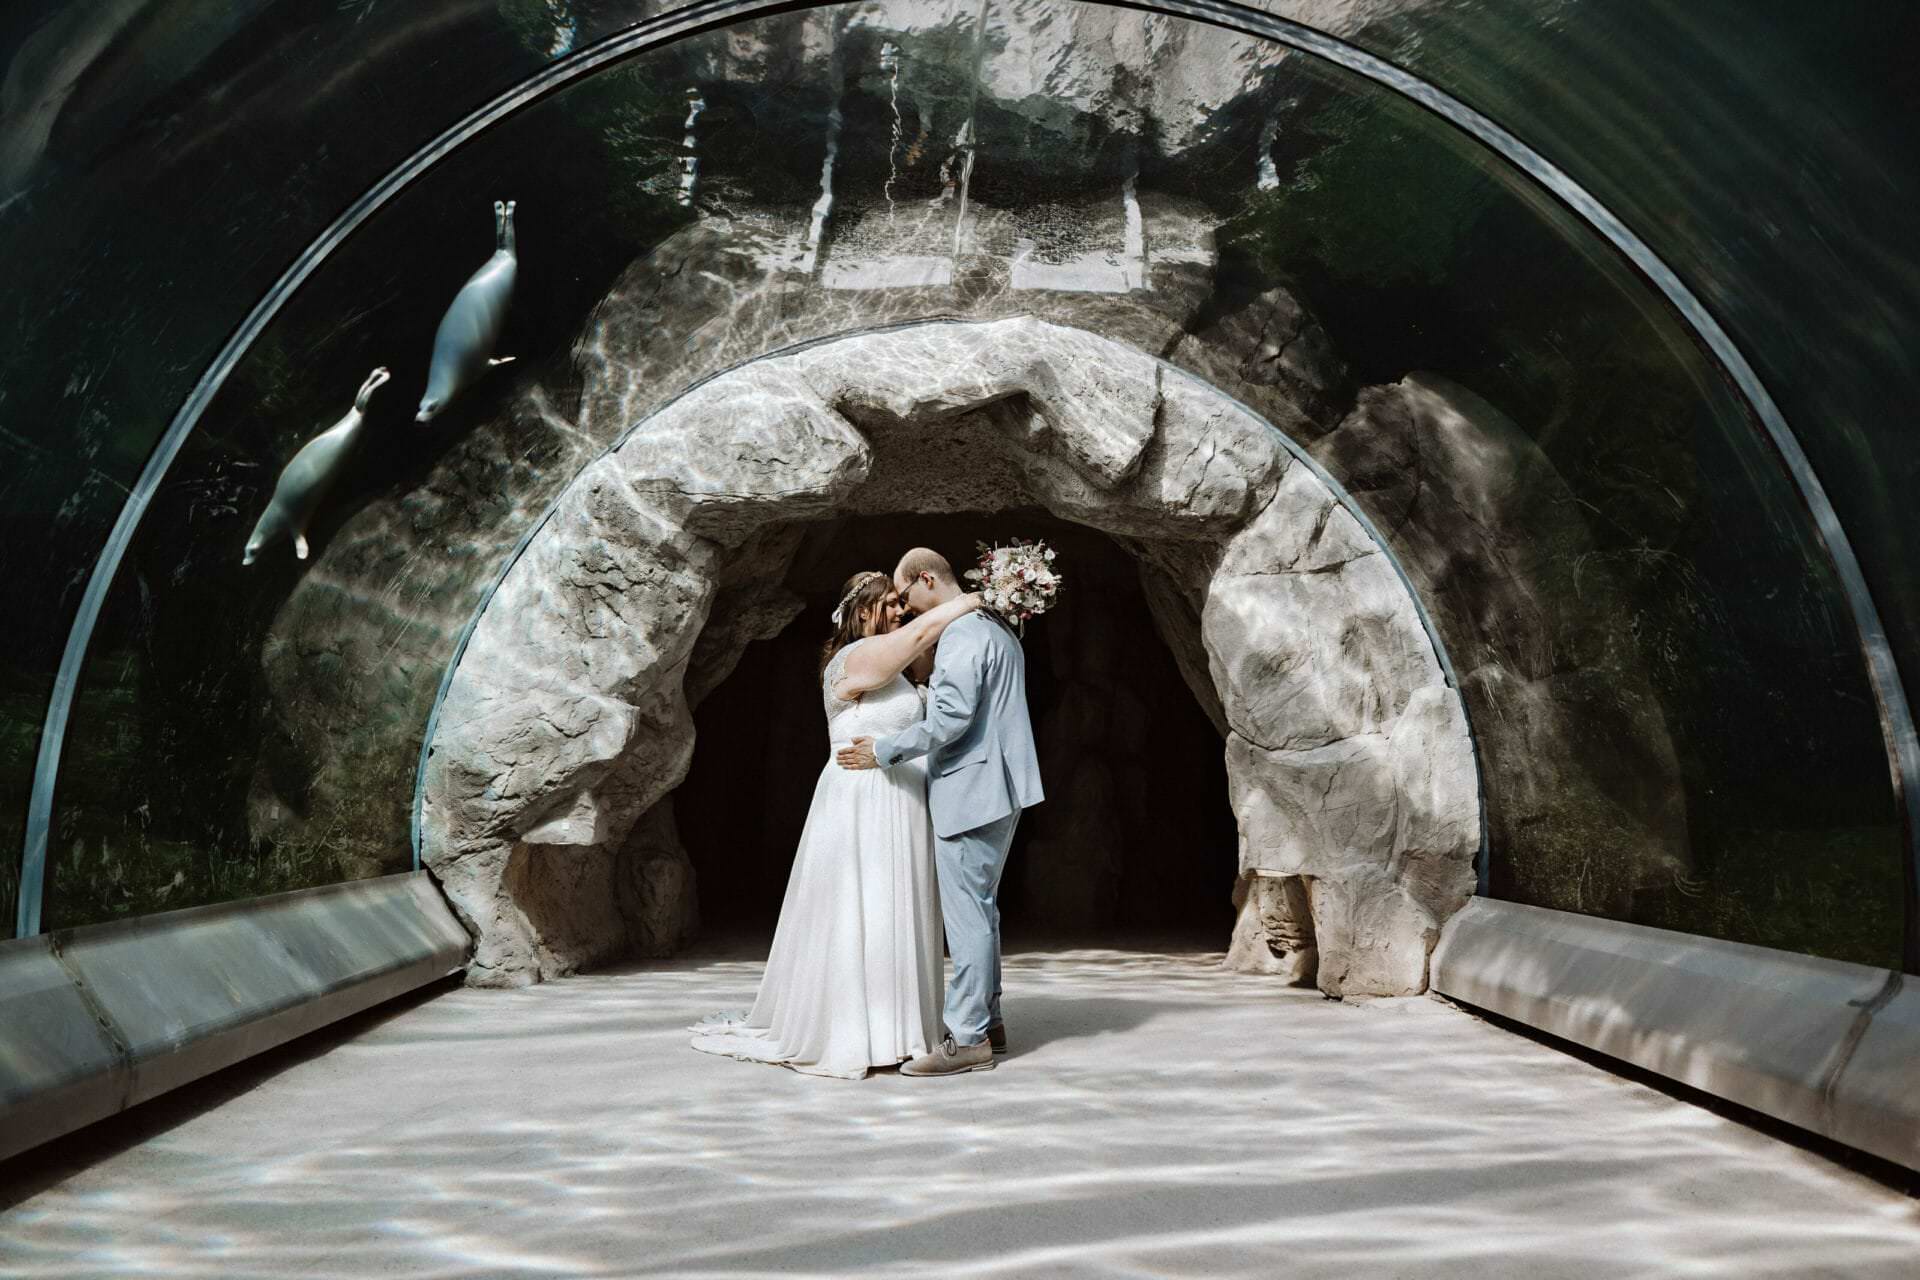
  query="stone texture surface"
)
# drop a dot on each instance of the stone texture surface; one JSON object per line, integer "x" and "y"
{"x": 1063, "y": 57}
{"x": 659, "y": 899}
{"x": 353, "y": 660}
{"x": 568, "y": 720}
{"x": 573, "y": 700}
{"x": 1334, "y": 698}
{"x": 768, "y": 447}
{"x": 1066, "y": 231}
{"x": 682, "y": 550}
{"x": 1174, "y": 577}
{"x": 1575, "y": 745}
{"x": 1277, "y": 357}
{"x": 1273, "y": 928}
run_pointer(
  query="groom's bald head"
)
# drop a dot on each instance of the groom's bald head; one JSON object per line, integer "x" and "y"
{"x": 923, "y": 560}
{"x": 924, "y": 579}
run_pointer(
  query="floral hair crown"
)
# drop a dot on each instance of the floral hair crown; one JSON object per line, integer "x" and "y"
{"x": 840, "y": 610}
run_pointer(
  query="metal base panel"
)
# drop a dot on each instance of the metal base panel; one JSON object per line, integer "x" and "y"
{"x": 96, "y": 1019}
{"x": 1829, "y": 1046}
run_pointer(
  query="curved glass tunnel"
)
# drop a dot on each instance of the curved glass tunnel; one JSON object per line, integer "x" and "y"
{"x": 1674, "y": 722}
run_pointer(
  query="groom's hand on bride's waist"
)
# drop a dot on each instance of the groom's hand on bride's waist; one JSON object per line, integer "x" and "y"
{"x": 857, "y": 756}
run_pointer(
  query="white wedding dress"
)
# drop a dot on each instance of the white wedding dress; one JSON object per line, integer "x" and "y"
{"x": 854, "y": 979}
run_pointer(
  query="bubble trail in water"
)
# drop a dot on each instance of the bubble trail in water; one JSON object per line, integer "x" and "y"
{"x": 689, "y": 159}
{"x": 890, "y": 63}
{"x": 824, "y": 205}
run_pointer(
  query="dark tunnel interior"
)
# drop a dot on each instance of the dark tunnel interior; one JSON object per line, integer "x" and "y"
{"x": 1136, "y": 838}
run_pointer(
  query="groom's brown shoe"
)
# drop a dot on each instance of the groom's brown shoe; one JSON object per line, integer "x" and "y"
{"x": 997, "y": 1037}
{"x": 950, "y": 1059}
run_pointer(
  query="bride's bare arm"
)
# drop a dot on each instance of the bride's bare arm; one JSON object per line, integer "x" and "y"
{"x": 881, "y": 658}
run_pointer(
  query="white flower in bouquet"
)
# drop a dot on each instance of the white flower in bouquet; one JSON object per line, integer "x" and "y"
{"x": 1018, "y": 580}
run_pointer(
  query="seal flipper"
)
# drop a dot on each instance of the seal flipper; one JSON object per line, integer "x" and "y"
{"x": 503, "y": 226}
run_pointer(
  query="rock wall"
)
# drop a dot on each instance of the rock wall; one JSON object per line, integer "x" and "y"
{"x": 1085, "y": 120}
{"x": 1576, "y": 750}
{"x": 1350, "y": 759}
{"x": 1575, "y": 746}
{"x": 353, "y": 661}
{"x": 568, "y": 719}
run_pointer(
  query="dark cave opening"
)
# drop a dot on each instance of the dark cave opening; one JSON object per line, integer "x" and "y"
{"x": 1136, "y": 838}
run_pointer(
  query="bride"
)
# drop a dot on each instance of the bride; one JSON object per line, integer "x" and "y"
{"x": 854, "y": 979}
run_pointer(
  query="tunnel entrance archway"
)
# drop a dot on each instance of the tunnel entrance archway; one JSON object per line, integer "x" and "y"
{"x": 568, "y": 720}
{"x": 1137, "y": 837}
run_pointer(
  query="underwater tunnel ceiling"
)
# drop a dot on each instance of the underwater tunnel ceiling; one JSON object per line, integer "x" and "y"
{"x": 1676, "y": 712}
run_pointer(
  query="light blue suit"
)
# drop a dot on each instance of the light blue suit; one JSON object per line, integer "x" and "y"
{"x": 982, "y": 771}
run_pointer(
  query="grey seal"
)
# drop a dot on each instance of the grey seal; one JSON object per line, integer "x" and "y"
{"x": 463, "y": 345}
{"x": 304, "y": 481}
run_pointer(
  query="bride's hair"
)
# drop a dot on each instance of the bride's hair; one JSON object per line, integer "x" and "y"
{"x": 862, "y": 592}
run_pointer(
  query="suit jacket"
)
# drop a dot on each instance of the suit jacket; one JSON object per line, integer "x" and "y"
{"x": 981, "y": 762}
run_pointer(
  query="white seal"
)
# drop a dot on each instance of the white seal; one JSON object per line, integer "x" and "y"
{"x": 305, "y": 480}
{"x": 463, "y": 345}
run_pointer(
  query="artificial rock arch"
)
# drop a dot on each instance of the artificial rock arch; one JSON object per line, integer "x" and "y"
{"x": 568, "y": 720}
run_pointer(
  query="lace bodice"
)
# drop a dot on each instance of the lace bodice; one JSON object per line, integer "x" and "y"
{"x": 885, "y": 710}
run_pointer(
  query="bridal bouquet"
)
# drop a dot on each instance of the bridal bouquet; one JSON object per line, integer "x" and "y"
{"x": 1017, "y": 581}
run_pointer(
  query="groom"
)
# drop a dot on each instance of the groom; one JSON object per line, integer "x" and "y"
{"x": 982, "y": 772}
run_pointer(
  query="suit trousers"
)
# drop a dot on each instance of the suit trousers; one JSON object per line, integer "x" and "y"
{"x": 969, "y": 867}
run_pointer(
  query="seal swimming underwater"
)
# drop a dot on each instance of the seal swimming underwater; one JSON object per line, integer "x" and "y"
{"x": 463, "y": 345}
{"x": 304, "y": 481}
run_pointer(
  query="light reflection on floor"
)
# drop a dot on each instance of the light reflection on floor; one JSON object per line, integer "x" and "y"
{"x": 1158, "y": 1118}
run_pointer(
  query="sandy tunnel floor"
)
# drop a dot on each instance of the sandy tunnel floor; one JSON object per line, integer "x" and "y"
{"x": 1158, "y": 1117}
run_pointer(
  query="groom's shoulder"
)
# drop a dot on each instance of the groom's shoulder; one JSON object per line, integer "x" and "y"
{"x": 995, "y": 629}
{"x": 967, "y": 627}
{"x": 971, "y": 630}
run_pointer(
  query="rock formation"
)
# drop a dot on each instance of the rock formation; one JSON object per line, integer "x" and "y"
{"x": 567, "y": 721}
{"x": 1575, "y": 744}
{"x": 1225, "y": 524}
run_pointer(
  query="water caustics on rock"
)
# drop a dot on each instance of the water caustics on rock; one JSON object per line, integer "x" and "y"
{"x": 1617, "y": 571}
